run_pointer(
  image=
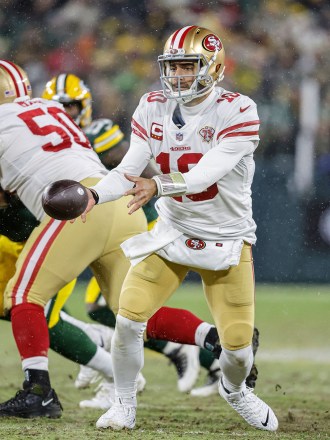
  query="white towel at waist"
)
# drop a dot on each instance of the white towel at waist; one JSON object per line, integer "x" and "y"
{"x": 140, "y": 246}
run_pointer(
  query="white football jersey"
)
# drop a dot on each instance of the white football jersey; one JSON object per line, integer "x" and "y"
{"x": 224, "y": 122}
{"x": 39, "y": 144}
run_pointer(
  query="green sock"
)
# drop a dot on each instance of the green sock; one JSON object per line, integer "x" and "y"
{"x": 104, "y": 316}
{"x": 155, "y": 345}
{"x": 71, "y": 342}
{"x": 206, "y": 358}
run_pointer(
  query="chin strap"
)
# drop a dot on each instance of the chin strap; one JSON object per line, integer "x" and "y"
{"x": 222, "y": 75}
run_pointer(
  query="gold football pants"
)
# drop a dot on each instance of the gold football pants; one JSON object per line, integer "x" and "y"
{"x": 58, "y": 251}
{"x": 229, "y": 294}
{"x": 9, "y": 252}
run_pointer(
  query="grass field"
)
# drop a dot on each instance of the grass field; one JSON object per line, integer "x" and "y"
{"x": 293, "y": 362}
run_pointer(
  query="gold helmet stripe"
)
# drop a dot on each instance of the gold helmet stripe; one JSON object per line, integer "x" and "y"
{"x": 15, "y": 74}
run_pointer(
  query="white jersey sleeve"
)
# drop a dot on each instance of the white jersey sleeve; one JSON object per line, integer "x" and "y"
{"x": 241, "y": 122}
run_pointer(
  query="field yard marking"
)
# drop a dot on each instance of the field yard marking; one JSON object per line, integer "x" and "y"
{"x": 295, "y": 354}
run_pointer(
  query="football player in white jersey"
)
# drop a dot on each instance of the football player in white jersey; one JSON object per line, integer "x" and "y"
{"x": 109, "y": 142}
{"x": 39, "y": 143}
{"x": 203, "y": 139}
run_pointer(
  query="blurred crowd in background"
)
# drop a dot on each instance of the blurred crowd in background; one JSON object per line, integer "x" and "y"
{"x": 113, "y": 45}
{"x": 277, "y": 52}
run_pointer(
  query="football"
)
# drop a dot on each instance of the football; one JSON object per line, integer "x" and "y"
{"x": 64, "y": 199}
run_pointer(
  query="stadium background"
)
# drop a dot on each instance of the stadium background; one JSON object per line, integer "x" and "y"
{"x": 277, "y": 52}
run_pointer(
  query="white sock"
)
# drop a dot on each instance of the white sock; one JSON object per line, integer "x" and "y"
{"x": 74, "y": 321}
{"x": 102, "y": 362}
{"x": 35, "y": 363}
{"x": 127, "y": 357}
{"x": 201, "y": 332}
{"x": 214, "y": 365}
{"x": 235, "y": 366}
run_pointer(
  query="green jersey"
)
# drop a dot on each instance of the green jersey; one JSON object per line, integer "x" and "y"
{"x": 16, "y": 221}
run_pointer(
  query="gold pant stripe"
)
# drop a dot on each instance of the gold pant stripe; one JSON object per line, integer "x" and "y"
{"x": 95, "y": 243}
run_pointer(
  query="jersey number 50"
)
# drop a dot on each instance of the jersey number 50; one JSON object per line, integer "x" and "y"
{"x": 163, "y": 160}
{"x": 68, "y": 132}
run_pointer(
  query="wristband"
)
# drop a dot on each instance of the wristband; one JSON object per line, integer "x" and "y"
{"x": 95, "y": 195}
{"x": 172, "y": 184}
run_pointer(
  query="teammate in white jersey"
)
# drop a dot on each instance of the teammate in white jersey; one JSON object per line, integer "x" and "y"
{"x": 40, "y": 143}
{"x": 203, "y": 139}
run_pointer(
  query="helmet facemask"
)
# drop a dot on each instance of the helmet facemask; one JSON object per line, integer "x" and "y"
{"x": 68, "y": 102}
{"x": 202, "y": 84}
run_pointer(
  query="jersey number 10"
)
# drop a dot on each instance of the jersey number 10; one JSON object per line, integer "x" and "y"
{"x": 163, "y": 160}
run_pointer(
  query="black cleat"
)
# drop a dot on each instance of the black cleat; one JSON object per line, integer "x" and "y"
{"x": 212, "y": 342}
{"x": 29, "y": 404}
{"x": 255, "y": 341}
{"x": 252, "y": 377}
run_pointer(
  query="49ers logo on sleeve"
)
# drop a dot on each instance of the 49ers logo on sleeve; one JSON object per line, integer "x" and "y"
{"x": 156, "y": 131}
{"x": 207, "y": 133}
{"x": 211, "y": 43}
{"x": 195, "y": 243}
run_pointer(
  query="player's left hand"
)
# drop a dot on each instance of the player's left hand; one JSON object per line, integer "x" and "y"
{"x": 143, "y": 191}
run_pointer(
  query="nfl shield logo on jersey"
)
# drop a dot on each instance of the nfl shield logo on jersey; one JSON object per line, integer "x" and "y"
{"x": 207, "y": 133}
{"x": 179, "y": 136}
